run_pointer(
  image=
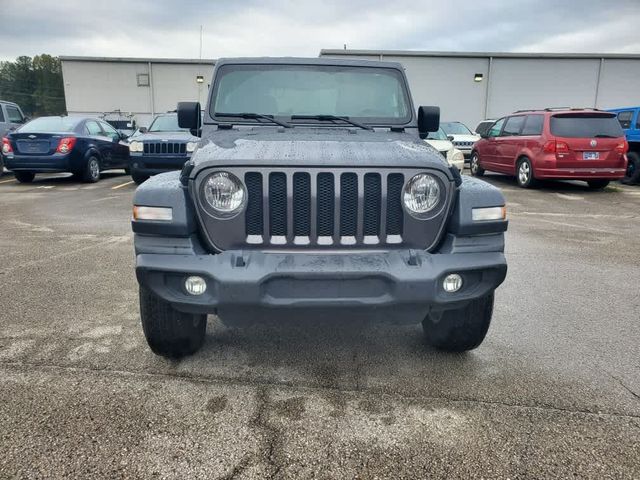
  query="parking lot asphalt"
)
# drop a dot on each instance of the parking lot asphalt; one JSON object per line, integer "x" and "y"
{"x": 554, "y": 391}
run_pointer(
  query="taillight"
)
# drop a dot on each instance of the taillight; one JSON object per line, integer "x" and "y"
{"x": 554, "y": 146}
{"x": 549, "y": 147}
{"x": 622, "y": 148}
{"x": 66, "y": 144}
{"x": 6, "y": 146}
{"x": 561, "y": 147}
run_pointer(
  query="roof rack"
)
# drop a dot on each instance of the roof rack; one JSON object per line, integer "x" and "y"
{"x": 551, "y": 109}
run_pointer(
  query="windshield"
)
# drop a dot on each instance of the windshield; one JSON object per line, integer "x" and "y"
{"x": 371, "y": 95}
{"x": 455, "y": 128}
{"x": 166, "y": 123}
{"x": 50, "y": 124}
{"x": 585, "y": 126}
{"x": 437, "y": 135}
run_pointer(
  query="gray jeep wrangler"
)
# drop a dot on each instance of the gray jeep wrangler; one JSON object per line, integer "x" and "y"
{"x": 312, "y": 189}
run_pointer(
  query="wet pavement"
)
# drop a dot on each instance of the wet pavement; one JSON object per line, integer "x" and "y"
{"x": 554, "y": 391}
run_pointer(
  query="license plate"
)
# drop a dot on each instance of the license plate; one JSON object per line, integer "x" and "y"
{"x": 590, "y": 155}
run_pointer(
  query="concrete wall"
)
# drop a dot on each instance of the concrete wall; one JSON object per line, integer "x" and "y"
{"x": 512, "y": 81}
{"x": 93, "y": 87}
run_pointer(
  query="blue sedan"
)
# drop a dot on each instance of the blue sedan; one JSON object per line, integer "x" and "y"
{"x": 81, "y": 145}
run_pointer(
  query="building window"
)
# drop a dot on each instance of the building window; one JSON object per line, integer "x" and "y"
{"x": 143, "y": 79}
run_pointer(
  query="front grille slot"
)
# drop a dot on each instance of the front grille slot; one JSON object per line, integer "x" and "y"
{"x": 394, "y": 204}
{"x": 164, "y": 148}
{"x": 348, "y": 204}
{"x": 324, "y": 208}
{"x": 326, "y": 195}
{"x": 278, "y": 204}
{"x": 372, "y": 199}
{"x": 301, "y": 204}
{"x": 253, "y": 216}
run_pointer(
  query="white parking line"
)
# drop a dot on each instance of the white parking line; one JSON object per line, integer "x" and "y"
{"x": 9, "y": 181}
{"x": 121, "y": 185}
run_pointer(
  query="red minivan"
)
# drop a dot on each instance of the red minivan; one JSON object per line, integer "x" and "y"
{"x": 567, "y": 144}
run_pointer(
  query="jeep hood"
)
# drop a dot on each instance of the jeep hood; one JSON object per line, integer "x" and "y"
{"x": 314, "y": 147}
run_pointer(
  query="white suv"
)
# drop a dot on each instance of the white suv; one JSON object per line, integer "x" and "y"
{"x": 463, "y": 138}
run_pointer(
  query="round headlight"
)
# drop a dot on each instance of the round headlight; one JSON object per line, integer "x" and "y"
{"x": 422, "y": 193}
{"x": 136, "y": 147}
{"x": 191, "y": 146}
{"x": 224, "y": 192}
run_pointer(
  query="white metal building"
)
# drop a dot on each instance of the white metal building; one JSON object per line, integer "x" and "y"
{"x": 139, "y": 86}
{"x": 468, "y": 87}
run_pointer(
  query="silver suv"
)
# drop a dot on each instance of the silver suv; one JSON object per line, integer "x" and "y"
{"x": 11, "y": 117}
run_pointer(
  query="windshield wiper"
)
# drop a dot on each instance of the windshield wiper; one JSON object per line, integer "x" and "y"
{"x": 331, "y": 118}
{"x": 254, "y": 116}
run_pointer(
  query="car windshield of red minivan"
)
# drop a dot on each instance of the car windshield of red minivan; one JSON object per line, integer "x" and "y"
{"x": 575, "y": 125}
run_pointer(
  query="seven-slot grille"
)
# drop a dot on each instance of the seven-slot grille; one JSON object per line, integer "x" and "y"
{"x": 165, "y": 148}
{"x": 324, "y": 208}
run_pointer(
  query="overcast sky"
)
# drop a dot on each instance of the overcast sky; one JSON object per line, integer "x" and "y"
{"x": 148, "y": 28}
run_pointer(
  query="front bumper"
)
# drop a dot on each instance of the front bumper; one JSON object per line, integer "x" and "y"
{"x": 155, "y": 164}
{"x": 288, "y": 280}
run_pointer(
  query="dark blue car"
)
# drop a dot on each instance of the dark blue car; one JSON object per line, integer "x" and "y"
{"x": 80, "y": 145}
{"x": 163, "y": 147}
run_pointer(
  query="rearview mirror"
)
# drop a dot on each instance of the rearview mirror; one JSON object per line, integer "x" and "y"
{"x": 189, "y": 115}
{"x": 142, "y": 129}
{"x": 450, "y": 138}
{"x": 428, "y": 120}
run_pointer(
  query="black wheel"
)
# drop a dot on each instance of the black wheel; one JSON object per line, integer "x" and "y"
{"x": 170, "y": 333}
{"x": 25, "y": 177}
{"x": 91, "y": 172}
{"x": 524, "y": 173}
{"x": 139, "y": 177}
{"x": 459, "y": 330}
{"x": 474, "y": 165}
{"x": 597, "y": 184}
{"x": 127, "y": 171}
{"x": 632, "y": 176}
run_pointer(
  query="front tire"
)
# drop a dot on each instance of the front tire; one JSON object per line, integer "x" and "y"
{"x": 524, "y": 174}
{"x": 91, "y": 172}
{"x": 139, "y": 178}
{"x": 169, "y": 332}
{"x": 474, "y": 165}
{"x": 632, "y": 175}
{"x": 25, "y": 177}
{"x": 461, "y": 329}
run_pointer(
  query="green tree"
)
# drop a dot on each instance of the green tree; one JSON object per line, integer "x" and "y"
{"x": 34, "y": 83}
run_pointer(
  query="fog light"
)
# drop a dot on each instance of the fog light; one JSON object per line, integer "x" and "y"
{"x": 452, "y": 283}
{"x": 195, "y": 285}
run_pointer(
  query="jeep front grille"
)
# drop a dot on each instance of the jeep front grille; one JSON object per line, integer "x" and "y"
{"x": 165, "y": 148}
{"x": 323, "y": 208}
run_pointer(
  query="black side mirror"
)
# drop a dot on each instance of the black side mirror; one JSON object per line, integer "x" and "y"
{"x": 189, "y": 116}
{"x": 142, "y": 129}
{"x": 428, "y": 120}
{"x": 450, "y": 138}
